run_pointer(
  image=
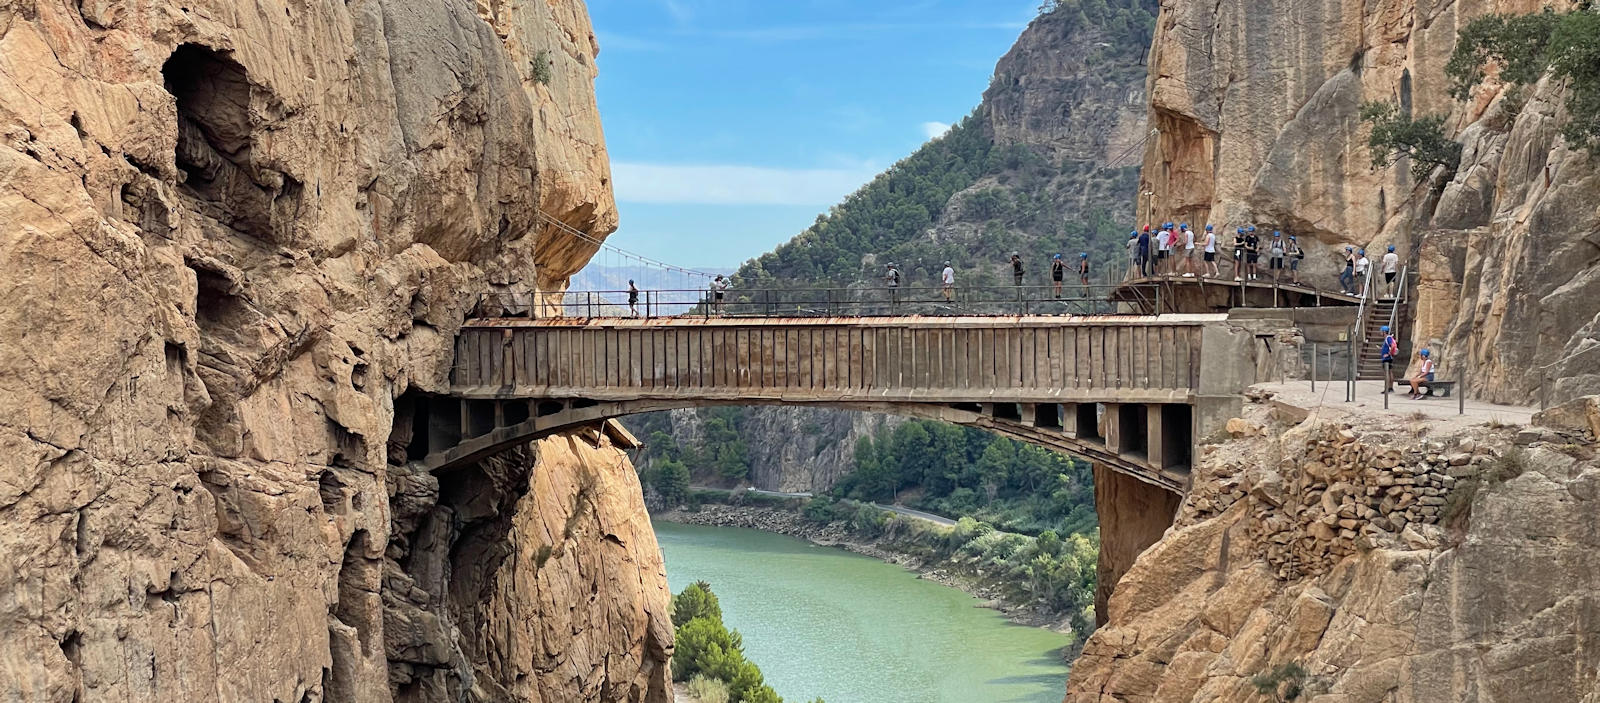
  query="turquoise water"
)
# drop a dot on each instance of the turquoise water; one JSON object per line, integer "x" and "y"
{"x": 851, "y": 629}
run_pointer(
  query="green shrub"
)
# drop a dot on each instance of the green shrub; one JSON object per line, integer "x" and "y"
{"x": 707, "y": 690}
{"x": 695, "y": 601}
{"x": 1525, "y": 48}
{"x": 543, "y": 67}
{"x": 1395, "y": 134}
{"x": 1282, "y": 684}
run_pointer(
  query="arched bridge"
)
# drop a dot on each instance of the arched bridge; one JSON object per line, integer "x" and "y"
{"x": 1130, "y": 393}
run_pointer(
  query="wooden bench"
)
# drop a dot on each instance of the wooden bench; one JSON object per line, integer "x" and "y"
{"x": 1444, "y": 388}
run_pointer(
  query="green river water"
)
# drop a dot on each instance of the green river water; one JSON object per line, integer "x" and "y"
{"x": 824, "y": 622}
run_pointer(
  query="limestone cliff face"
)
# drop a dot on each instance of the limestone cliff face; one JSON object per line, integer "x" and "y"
{"x": 1258, "y": 111}
{"x": 1393, "y": 567}
{"x": 235, "y": 233}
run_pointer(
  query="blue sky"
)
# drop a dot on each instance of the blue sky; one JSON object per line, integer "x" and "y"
{"x": 733, "y": 123}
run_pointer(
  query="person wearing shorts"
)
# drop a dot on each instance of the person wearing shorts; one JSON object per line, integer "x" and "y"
{"x": 1296, "y": 254}
{"x": 1238, "y": 254}
{"x": 1252, "y": 252}
{"x": 1163, "y": 247}
{"x": 1211, "y": 251}
{"x": 1391, "y": 267}
{"x": 1058, "y": 269}
{"x": 1188, "y": 250}
{"x": 1275, "y": 258}
{"x": 1424, "y": 374}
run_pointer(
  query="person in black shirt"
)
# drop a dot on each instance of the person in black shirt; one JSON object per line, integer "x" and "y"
{"x": 1057, "y": 272}
{"x": 633, "y": 298}
{"x": 1252, "y": 252}
{"x": 1016, "y": 268}
{"x": 1238, "y": 254}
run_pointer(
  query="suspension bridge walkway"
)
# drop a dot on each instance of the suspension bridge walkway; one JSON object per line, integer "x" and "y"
{"x": 1128, "y": 391}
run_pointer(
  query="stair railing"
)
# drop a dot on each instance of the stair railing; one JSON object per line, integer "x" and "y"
{"x": 1399, "y": 299}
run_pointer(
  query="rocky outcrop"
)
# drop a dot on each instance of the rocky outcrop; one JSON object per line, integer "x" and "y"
{"x": 1258, "y": 110}
{"x": 1390, "y": 563}
{"x": 235, "y": 234}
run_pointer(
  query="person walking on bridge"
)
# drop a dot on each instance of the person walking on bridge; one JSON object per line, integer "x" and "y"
{"x": 1133, "y": 255}
{"x": 1058, "y": 270}
{"x": 1347, "y": 278}
{"x": 1238, "y": 254}
{"x": 719, "y": 290}
{"x": 1363, "y": 266}
{"x": 1144, "y": 252}
{"x": 947, "y": 282}
{"x": 1016, "y": 269}
{"x": 633, "y": 298}
{"x": 1296, "y": 254}
{"x": 1252, "y": 253}
{"x": 1275, "y": 253}
{"x": 1083, "y": 271}
{"x": 891, "y": 279}
{"x": 1211, "y": 251}
{"x": 1188, "y": 251}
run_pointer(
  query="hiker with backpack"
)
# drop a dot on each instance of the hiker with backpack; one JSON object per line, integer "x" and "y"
{"x": 1387, "y": 354}
{"x": 1275, "y": 256}
{"x": 1296, "y": 255}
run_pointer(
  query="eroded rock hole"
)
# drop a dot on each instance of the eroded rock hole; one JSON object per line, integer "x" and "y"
{"x": 215, "y": 141}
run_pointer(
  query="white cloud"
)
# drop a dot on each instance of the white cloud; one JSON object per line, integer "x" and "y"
{"x": 934, "y": 130}
{"x": 736, "y": 185}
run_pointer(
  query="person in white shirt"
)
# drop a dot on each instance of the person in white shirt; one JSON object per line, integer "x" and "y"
{"x": 1390, "y": 267}
{"x": 1211, "y": 252}
{"x": 1362, "y": 265}
{"x": 1424, "y": 374}
{"x": 947, "y": 281}
{"x": 1188, "y": 250}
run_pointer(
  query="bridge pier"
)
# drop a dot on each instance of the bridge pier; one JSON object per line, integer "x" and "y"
{"x": 1133, "y": 515}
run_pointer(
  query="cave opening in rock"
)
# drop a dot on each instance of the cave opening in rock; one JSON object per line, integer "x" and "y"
{"x": 215, "y": 140}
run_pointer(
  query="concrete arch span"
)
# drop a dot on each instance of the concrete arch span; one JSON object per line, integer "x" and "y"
{"x": 1147, "y": 442}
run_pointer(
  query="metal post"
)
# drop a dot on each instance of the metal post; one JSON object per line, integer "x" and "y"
{"x": 1461, "y": 394}
{"x": 1313, "y": 367}
{"x": 1349, "y": 370}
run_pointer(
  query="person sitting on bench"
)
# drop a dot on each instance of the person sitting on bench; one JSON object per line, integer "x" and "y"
{"x": 1424, "y": 374}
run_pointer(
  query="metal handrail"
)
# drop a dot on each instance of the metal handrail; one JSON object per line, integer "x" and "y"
{"x": 1075, "y": 299}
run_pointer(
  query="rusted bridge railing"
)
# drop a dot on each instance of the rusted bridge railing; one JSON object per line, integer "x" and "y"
{"x": 1072, "y": 299}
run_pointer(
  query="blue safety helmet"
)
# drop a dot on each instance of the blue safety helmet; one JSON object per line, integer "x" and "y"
{"x": 1275, "y": 233}
{"x": 1084, "y": 255}
{"x": 1363, "y": 252}
{"x": 1208, "y": 228}
{"x": 1057, "y": 256}
{"x": 1133, "y": 234}
{"x": 1384, "y": 329}
{"x": 1240, "y": 230}
{"x": 1291, "y": 237}
{"x": 1391, "y": 247}
{"x": 1424, "y": 352}
{"x": 1252, "y": 228}
{"x": 1184, "y": 226}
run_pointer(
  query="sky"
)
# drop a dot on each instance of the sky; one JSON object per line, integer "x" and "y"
{"x": 733, "y": 123}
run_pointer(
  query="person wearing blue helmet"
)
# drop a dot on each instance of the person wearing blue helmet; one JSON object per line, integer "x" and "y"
{"x": 1058, "y": 268}
{"x": 1083, "y": 270}
{"x": 1238, "y": 254}
{"x": 1390, "y": 266}
{"x": 1425, "y": 367}
{"x": 1252, "y": 253}
{"x": 1188, "y": 250}
{"x": 1389, "y": 349}
{"x": 1363, "y": 273}
{"x": 1211, "y": 251}
{"x": 1163, "y": 247}
{"x": 1275, "y": 250}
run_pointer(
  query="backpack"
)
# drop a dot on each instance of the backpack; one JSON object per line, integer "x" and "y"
{"x": 1391, "y": 347}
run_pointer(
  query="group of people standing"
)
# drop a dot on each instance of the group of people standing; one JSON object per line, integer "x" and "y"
{"x": 1353, "y": 279}
{"x": 1176, "y": 250}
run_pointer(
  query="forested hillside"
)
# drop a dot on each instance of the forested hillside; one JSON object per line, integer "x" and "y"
{"x": 1044, "y": 165}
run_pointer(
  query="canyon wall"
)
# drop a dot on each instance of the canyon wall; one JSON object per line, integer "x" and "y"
{"x": 236, "y": 236}
{"x": 1391, "y": 562}
{"x": 1258, "y": 111}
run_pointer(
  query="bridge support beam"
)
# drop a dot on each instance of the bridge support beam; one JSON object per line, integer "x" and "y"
{"x": 1133, "y": 515}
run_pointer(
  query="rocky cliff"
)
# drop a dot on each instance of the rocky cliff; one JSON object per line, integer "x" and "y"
{"x": 236, "y": 234}
{"x": 1258, "y": 108}
{"x": 1363, "y": 562}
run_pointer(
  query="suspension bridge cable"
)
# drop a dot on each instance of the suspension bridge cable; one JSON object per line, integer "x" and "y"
{"x": 613, "y": 250}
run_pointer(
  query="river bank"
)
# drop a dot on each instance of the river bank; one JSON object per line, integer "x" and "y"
{"x": 954, "y": 571}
